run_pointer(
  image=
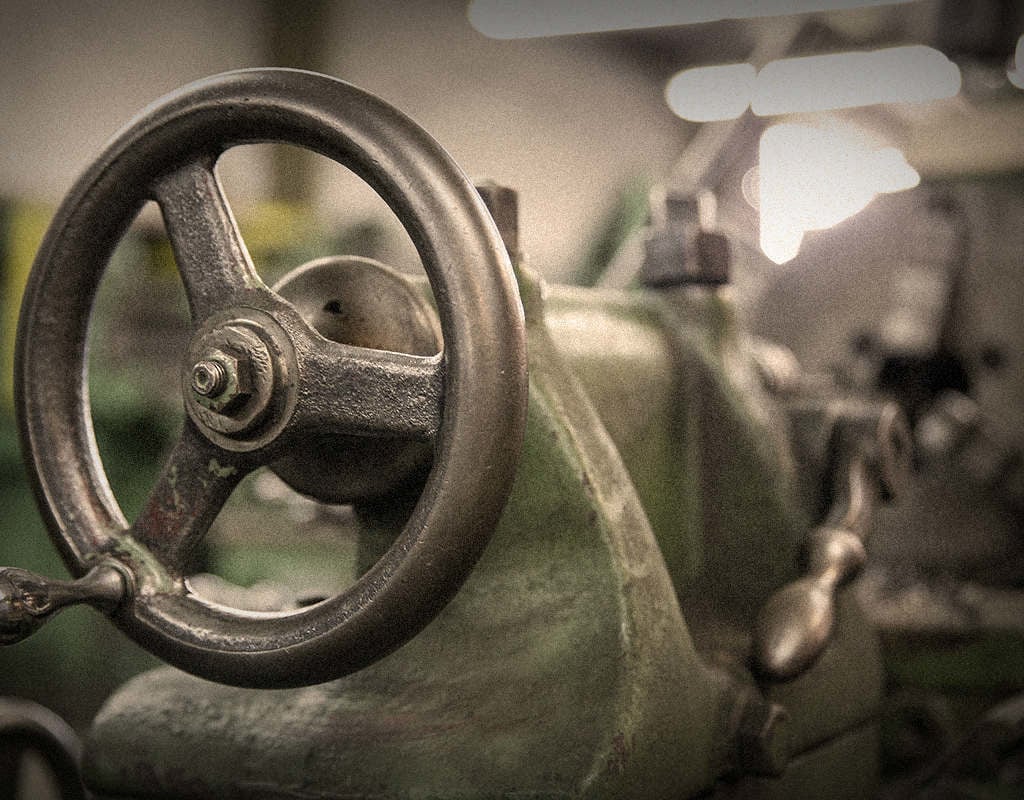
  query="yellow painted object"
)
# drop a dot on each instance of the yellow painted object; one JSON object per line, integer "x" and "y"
{"x": 24, "y": 227}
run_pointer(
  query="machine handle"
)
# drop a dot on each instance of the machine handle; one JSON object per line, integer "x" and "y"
{"x": 796, "y": 622}
{"x": 873, "y": 450}
{"x": 28, "y": 600}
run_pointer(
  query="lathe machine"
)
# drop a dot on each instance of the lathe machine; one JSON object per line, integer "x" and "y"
{"x": 604, "y": 541}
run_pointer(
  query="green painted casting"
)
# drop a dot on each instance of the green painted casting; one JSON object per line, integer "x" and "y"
{"x": 598, "y": 650}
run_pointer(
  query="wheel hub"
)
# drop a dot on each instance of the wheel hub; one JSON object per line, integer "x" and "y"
{"x": 239, "y": 378}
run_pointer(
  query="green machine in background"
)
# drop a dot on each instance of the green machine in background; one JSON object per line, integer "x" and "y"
{"x": 597, "y": 544}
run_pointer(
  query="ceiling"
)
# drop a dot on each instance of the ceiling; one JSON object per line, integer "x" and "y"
{"x": 980, "y": 131}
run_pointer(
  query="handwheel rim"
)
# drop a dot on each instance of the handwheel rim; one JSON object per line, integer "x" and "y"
{"x": 481, "y": 321}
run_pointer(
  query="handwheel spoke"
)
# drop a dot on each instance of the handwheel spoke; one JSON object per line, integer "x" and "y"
{"x": 212, "y": 258}
{"x": 291, "y": 384}
{"x": 193, "y": 486}
{"x": 363, "y": 392}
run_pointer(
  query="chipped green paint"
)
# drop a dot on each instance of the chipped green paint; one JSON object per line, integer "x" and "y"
{"x": 215, "y": 469}
{"x": 151, "y": 577}
{"x": 172, "y": 480}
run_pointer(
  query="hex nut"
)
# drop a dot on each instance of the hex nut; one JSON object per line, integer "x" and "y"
{"x": 233, "y": 388}
{"x": 239, "y": 349}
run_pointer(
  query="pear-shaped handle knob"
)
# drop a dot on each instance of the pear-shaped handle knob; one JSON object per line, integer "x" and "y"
{"x": 28, "y": 600}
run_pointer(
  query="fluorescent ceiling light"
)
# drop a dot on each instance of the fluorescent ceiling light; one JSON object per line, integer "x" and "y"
{"x": 525, "y": 19}
{"x": 914, "y": 74}
{"x": 814, "y": 177}
{"x": 706, "y": 94}
{"x": 910, "y": 74}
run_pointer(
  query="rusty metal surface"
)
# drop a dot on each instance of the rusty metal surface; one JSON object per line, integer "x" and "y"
{"x": 473, "y": 397}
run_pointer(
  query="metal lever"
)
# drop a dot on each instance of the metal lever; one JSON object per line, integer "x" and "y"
{"x": 796, "y": 622}
{"x": 28, "y": 600}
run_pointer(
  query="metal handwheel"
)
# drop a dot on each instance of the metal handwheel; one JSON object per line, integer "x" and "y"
{"x": 259, "y": 381}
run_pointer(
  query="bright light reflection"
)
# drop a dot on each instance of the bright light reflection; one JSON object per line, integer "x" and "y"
{"x": 812, "y": 178}
{"x": 706, "y": 94}
{"x": 910, "y": 74}
{"x": 913, "y": 74}
{"x": 525, "y": 19}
